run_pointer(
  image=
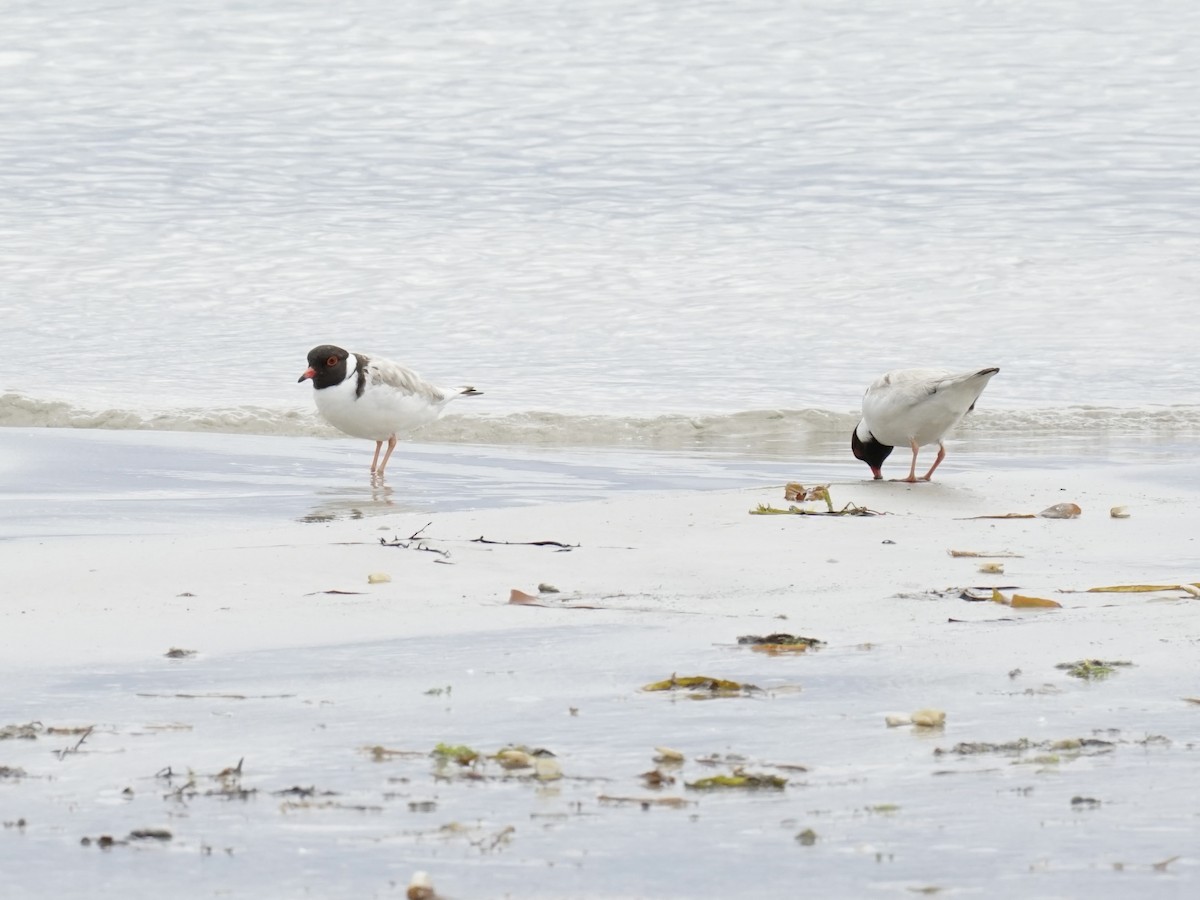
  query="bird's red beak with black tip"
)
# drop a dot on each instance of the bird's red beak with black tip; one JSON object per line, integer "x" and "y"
{"x": 310, "y": 372}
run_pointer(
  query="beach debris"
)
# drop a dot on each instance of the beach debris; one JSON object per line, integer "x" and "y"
{"x": 547, "y": 768}
{"x": 795, "y": 492}
{"x": 765, "y": 509}
{"x": 741, "y": 779}
{"x": 66, "y": 751}
{"x": 992, "y": 568}
{"x": 419, "y": 544}
{"x": 977, "y": 554}
{"x": 1084, "y": 802}
{"x": 378, "y": 578}
{"x": 780, "y": 642}
{"x": 922, "y": 718}
{"x": 884, "y": 809}
{"x": 1061, "y": 511}
{"x": 457, "y": 753}
{"x": 788, "y": 767}
{"x": 179, "y": 653}
{"x": 380, "y": 753}
{"x": 1192, "y": 588}
{"x": 11, "y": 772}
{"x": 514, "y": 758}
{"x": 545, "y": 588}
{"x": 27, "y": 732}
{"x": 559, "y": 544}
{"x": 647, "y": 802}
{"x": 336, "y": 592}
{"x": 716, "y": 759}
{"x": 1092, "y": 669}
{"x": 702, "y": 685}
{"x": 1057, "y": 511}
{"x": 150, "y": 834}
{"x": 929, "y": 718}
{"x": 1195, "y": 700}
{"x": 673, "y": 757}
{"x": 656, "y": 778}
{"x": 420, "y": 887}
{"x": 1018, "y": 601}
{"x": 1072, "y": 746}
{"x": 807, "y": 837}
{"x": 302, "y": 792}
{"x": 517, "y": 597}
{"x": 104, "y": 841}
{"x": 1004, "y": 516}
{"x": 1119, "y": 512}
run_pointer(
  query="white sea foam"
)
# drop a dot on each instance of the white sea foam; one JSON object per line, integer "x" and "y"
{"x": 766, "y": 430}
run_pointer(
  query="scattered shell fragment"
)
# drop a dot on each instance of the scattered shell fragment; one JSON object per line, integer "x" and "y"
{"x": 992, "y": 569}
{"x": 929, "y": 718}
{"x": 546, "y": 588}
{"x": 1061, "y": 511}
{"x": 515, "y": 759}
{"x": 922, "y": 718}
{"x": 1191, "y": 589}
{"x": 420, "y": 887}
{"x": 378, "y": 578}
{"x": 668, "y": 755}
{"x": 1119, "y": 512}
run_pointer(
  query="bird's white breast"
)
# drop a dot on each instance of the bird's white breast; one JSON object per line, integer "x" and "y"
{"x": 380, "y": 412}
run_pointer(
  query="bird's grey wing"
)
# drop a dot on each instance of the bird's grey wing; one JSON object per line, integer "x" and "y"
{"x": 406, "y": 381}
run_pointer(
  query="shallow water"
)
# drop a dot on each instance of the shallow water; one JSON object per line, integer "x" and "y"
{"x": 890, "y": 814}
{"x": 64, "y": 482}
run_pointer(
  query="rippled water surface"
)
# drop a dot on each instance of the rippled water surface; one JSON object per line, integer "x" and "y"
{"x": 600, "y": 207}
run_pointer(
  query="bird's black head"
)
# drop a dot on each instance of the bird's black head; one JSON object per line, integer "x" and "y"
{"x": 871, "y": 452}
{"x": 326, "y": 366}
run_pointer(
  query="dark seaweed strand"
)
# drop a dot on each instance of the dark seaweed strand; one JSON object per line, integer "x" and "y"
{"x": 360, "y": 372}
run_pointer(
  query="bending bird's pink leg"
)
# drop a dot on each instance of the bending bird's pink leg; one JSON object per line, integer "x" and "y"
{"x": 937, "y": 462}
{"x": 375, "y": 458}
{"x": 912, "y": 470}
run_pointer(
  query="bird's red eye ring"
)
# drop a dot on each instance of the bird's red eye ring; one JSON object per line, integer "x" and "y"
{"x": 332, "y": 361}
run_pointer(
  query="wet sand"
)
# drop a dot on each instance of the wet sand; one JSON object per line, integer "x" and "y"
{"x": 333, "y": 702}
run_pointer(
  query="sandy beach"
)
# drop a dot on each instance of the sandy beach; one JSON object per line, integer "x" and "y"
{"x": 286, "y": 750}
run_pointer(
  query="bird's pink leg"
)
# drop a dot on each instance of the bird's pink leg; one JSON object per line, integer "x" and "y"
{"x": 375, "y": 458}
{"x": 937, "y": 462}
{"x": 912, "y": 470}
{"x": 388, "y": 455}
